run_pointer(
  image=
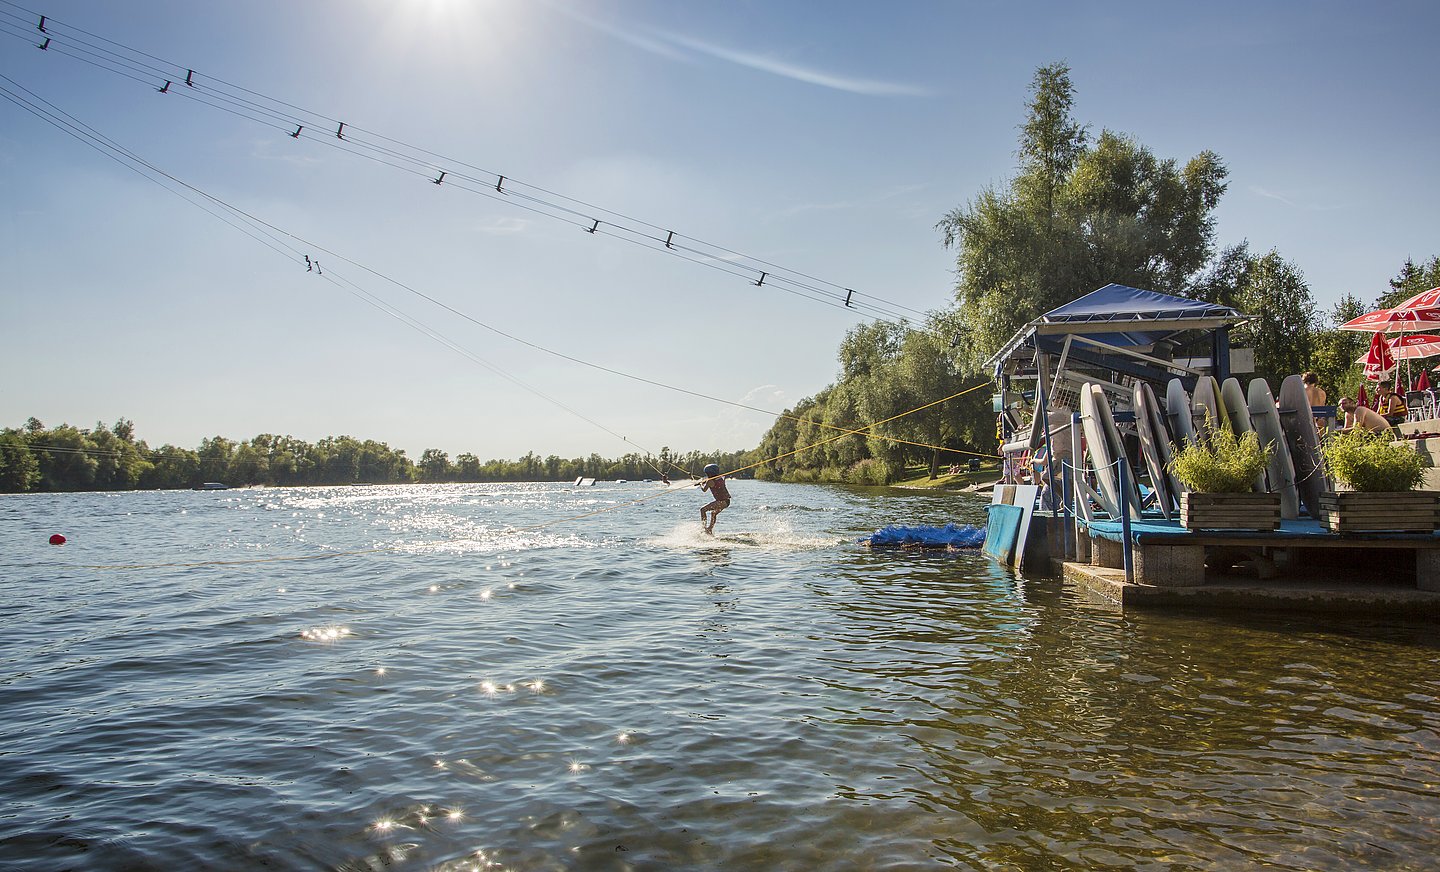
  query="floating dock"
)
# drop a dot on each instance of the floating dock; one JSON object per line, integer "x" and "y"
{"x": 1302, "y": 567}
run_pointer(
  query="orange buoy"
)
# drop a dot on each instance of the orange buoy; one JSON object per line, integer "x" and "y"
{"x": 57, "y": 539}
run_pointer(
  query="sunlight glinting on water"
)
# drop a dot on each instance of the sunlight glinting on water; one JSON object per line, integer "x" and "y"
{"x": 769, "y": 697}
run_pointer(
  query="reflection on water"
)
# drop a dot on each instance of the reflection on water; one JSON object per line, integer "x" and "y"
{"x": 625, "y": 692}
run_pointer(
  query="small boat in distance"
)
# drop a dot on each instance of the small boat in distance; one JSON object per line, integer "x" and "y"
{"x": 213, "y": 485}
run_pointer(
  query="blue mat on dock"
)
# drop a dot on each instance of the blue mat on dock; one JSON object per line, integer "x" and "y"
{"x": 1003, "y": 531}
{"x": 964, "y": 536}
{"x": 1303, "y": 528}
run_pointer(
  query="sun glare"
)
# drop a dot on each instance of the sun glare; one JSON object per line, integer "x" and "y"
{"x": 451, "y": 32}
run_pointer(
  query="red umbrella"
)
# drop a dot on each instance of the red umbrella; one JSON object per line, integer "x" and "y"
{"x": 1409, "y": 346}
{"x": 1378, "y": 361}
{"x": 1360, "y": 398}
{"x": 1423, "y": 382}
{"x": 1417, "y": 313}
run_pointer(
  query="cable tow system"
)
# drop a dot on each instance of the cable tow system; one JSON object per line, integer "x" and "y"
{"x": 127, "y": 62}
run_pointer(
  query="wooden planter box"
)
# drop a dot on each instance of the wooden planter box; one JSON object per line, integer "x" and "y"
{"x": 1252, "y": 511}
{"x": 1356, "y": 512}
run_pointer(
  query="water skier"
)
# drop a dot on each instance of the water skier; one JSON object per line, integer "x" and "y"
{"x": 714, "y": 482}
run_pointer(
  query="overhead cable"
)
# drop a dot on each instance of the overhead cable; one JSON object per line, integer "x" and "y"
{"x": 142, "y": 67}
{"x": 279, "y": 240}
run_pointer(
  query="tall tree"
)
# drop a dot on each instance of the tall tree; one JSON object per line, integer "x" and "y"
{"x": 19, "y": 470}
{"x": 1226, "y": 278}
{"x": 1335, "y": 351}
{"x": 1077, "y": 216}
{"x": 434, "y": 465}
{"x": 929, "y": 374}
{"x": 1051, "y": 140}
{"x": 1283, "y": 328}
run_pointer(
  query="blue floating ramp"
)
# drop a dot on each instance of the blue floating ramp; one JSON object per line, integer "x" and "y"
{"x": 919, "y": 536}
{"x": 1003, "y": 531}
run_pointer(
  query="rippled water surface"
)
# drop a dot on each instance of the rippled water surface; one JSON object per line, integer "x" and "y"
{"x": 491, "y": 682}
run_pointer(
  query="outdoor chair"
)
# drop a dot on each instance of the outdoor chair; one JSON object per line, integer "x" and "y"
{"x": 1419, "y": 405}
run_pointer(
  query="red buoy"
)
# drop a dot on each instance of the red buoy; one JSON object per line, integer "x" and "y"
{"x": 57, "y": 539}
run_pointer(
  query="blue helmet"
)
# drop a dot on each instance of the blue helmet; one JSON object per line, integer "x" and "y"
{"x": 712, "y": 469}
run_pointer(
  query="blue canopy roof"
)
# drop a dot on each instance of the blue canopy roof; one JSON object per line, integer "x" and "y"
{"x": 1121, "y": 303}
{"x": 1126, "y": 316}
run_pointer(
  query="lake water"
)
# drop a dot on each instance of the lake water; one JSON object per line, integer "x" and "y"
{"x": 501, "y": 684}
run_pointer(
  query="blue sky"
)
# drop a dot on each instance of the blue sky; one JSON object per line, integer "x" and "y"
{"x": 825, "y": 138}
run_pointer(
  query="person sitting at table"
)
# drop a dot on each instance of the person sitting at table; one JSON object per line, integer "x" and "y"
{"x": 1362, "y": 417}
{"x": 1389, "y": 404}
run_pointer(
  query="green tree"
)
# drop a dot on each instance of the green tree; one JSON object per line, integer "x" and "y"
{"x": 1225, "y": 280}
{"x": 66, "y": 458}
{"x": 1076, "y": 217}
{"x": 119, "y": 463}
{"x": 1051, "y": 140}
{"x": 929, "y": 374}
{"x": 249, "y": 464}
{"x": 434, "y": 465}
{"x": 19, "y": 470}
{"x": 214, "y": 456}
{"x": 1283, "y": 329}
{"x": 467, "y": 467}
{"x": 172, "y": 468}
{"x": 341, "y": 460}
{"x": 1335, "y": 351}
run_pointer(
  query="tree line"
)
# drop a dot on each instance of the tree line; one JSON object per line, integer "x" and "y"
{"x": 1081, "y": 212}
{"x": 66, "y": 458}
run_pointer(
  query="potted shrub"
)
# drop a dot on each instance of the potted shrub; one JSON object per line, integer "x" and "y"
{"x": 1219, "y": 472}
{"x": 1382, "y": 477}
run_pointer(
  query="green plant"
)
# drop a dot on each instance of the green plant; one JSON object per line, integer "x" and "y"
{"x": 1221, "y": 463}
{"x": 1370, "y": 462}
{"x": 870, "y": 471}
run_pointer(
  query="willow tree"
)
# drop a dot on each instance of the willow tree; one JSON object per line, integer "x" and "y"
{"x": 1078, "y": 215}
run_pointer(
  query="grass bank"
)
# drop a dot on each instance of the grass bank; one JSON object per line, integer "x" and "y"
{"x": 919, "y": 477}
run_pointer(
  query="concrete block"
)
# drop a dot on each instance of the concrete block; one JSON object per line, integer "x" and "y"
{"x": 1104, "y": 552}
{"x": 1427, "y": 569}
{"x": 1170, "y": 565}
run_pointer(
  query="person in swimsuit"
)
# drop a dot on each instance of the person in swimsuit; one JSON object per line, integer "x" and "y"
{"x": 1316, "y": 395}
{"x": 713, "y": 482}
{"x": 1362, "y": 417}
{"x": 1389, "y": 404}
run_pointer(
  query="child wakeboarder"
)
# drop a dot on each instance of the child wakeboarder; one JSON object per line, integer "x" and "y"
{"x": 714, "y": 482}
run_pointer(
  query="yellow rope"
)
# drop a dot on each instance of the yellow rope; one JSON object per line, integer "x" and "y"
{"x": 869, "y": 426}
{"x": 862, "y": 431}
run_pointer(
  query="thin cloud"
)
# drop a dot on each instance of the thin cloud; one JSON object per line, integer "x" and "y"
{"x": 867, "y": 87}
{"x": 683, "y": 49}
{"x": 773, "y": 394}
{"x": 1271, "y": 195}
